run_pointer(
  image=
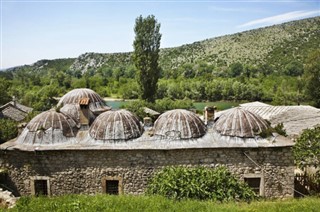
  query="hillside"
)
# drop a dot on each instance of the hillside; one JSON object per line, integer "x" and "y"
{"x": 275, "y": 45}
{"x": 264, "y": 64}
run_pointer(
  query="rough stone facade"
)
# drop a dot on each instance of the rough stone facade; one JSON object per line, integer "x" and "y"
{"x": 83, "y": 171}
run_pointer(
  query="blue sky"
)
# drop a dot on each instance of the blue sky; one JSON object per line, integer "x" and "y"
{"x": 49, "y": 29}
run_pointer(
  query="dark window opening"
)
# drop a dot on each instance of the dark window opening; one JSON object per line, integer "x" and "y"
{"x": 41, "y": 187}
{"x": 254, "y": 184}
{"x": 112, "y": 187}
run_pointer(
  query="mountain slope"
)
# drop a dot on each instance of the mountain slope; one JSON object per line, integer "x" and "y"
{"x": 275, "y": 45}
{"x": 258, "y": 46}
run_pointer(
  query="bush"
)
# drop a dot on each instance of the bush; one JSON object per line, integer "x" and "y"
{"x": 199, "y": 183}
{"x": 136, "y": 107}
{"x": 165, "y": 104}
{"x": 161, "y": 105}
{"x": 307, "y": 148}
{"x": 8, "y": 130}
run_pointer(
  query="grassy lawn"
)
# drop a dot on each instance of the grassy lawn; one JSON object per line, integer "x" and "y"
{"x": 155, "y": 203}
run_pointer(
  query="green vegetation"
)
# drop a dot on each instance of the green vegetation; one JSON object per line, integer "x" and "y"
{"x": 312, "y": 76}
{"x": 161, "y": 105}
{"x": 8, "y": 130}
{"x": 146, "y": 55}
{"x": 199, "y": 183}
{"x": 157, "y": 203}
{"x": 306, "y": 153}
{"x": 279, "y": 128}
{"x": 307, "y": 148}
{"x": 271, "y": 64}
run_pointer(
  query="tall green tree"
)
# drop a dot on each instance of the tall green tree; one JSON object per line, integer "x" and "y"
{"x": 307, "y": 148}
{"x": 146, "y": 55}
{"x": 312, "y": 76}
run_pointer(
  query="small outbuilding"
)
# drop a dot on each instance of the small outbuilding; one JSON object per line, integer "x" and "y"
{"x": 14, "y": 111}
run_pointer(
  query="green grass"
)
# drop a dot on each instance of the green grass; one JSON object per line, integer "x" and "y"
{"x": 155, "y": 203}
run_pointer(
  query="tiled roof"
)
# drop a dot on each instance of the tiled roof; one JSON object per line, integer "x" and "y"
{"x": 15, "y": 111}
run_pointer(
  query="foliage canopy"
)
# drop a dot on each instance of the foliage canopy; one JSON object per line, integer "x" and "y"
{"x": 146, "y": 55}
{"x": 312, "y": 76}
{"x": 8, "y": 130}
{"x": 307, "y": 148}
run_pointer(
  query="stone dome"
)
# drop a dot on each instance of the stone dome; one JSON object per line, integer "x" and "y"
{"x": 239, "y": 122}
{"x": 96, "y": 103}
{"x": 179, "y": 124}
{"x": 73, "y": 111}
{"x": 49, "y": 127}
{"x": 116, "y": 125}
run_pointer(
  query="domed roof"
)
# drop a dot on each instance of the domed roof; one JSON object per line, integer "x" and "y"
{"x": 73, "y": 111}
{"x": 96, "y": 103}
{"x": 179, "y": 123}
{"x": 240, "y": 123}
{"x": 48, "y": 128}
{"x": 116, "y": 125}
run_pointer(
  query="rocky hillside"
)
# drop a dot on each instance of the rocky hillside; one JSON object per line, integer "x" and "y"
{"x": 275, "y": 45}
{"x": 292, "y": 40}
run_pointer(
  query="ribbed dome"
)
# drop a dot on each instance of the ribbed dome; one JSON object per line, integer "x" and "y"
{"x": 240, "y": 123}
{"x": 116, "y": 125}
{"x": 73, "y": 111}
{"x": 96, "y": 103}
{"x": 49, "y": 127}
{"x": 182, "y": 124}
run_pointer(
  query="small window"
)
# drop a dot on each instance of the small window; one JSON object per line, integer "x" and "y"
{"x": 112, "y": 187}
{"x": 41, "y": 187}
{"x": 254, "y": 184}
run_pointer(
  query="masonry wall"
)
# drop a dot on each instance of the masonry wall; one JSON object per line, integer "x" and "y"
{"x": 82, "y": 171}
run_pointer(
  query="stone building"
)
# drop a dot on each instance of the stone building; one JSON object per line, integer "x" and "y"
{"x": 14, "y": 111}
{"x": 87, "y": 148}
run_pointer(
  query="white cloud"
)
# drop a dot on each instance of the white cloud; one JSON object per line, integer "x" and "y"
{"x": 280, "y": 18}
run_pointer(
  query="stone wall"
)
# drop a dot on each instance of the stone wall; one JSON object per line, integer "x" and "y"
{"x": 82, "y": 171}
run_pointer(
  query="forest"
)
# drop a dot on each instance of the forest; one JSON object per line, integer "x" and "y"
{"x": 196, "y": 82}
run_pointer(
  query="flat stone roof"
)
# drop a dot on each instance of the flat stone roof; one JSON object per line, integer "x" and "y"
{"x": 146, "y": 142}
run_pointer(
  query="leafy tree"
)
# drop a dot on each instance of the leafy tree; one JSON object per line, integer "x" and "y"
{"x": 213, "y": 90}
{"x": 130, "y": 90}
{"x": 188, "y": 71}
{"x": 199, "y": 183}
{"x": 8, "y": 130}
{"x": 307, "y": 148}
{"x": 312, "y": 77}
{"x": 136, "y": 107}
{"x": 294, "y": 68}
{"x": 4, "y": 96}
{"x": 265, "y": 69}
{"x": 236, "y": 69}
{"x": 165, "y": 104}
{"x": 146, "y": 54}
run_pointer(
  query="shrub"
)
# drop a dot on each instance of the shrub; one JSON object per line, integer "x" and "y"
{"x": 279, "y": 128}
{"x": 199, "y": 183}
{"x": 8, "y": 130}
{"x": 165, "y": 104}
{"x": 307, "y": 148}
